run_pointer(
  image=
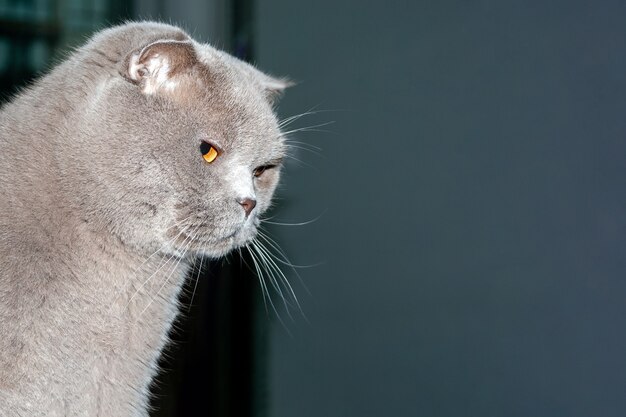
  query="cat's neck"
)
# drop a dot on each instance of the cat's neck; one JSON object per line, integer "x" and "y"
{"x": 137, "y": 288}
{"x": 105, "y": 313}
{"x": 134, "y": 305}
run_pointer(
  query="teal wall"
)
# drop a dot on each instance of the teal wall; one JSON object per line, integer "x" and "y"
{"x": 475, "y": 216}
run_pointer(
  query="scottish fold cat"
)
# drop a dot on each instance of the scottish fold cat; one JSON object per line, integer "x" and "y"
{"x": 140, "y": 152}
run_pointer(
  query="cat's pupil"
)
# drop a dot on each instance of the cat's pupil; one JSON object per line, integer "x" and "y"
{"x": 205, "y": 148}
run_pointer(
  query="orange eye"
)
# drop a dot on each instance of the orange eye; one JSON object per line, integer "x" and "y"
{"x": 260, "y": 170}
{"x": 209, "y": 153}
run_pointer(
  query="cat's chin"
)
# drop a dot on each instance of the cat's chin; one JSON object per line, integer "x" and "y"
{"x": 220, "y": 248}
{"x": 215, "y": 251}
{"x": 211, "y": 243}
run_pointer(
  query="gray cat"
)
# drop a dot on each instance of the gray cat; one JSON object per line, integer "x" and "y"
{"x": 142, "y": 151}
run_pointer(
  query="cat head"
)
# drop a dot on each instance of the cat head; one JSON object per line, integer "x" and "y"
{"x": 180, "y": 148}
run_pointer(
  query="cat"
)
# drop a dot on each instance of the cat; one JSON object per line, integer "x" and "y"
{"x": 142, "y": 151}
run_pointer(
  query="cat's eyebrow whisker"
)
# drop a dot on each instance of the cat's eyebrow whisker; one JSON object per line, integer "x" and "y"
{"x": 312, "y": 128}
{"x": 301, "y": 145}
{"x": 300, "y": 161}
{"x": 313, "y": 151}
{"x": 288, "y": 120}
{"x": 291, "y": 141}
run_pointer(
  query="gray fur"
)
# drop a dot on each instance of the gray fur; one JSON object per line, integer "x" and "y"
{"x": 100, "y": 172}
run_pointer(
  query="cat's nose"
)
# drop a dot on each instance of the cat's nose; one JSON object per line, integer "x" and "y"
{"x": 248, "y": 205}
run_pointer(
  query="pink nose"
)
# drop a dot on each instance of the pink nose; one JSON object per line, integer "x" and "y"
{"x": 248, "y": 205}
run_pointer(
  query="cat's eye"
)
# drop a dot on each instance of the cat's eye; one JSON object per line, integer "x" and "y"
{"x": 260, "y": 170}
{"x": 209, "y": 152}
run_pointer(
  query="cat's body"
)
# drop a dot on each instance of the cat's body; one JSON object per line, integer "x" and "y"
{"x": 105, "y": 201}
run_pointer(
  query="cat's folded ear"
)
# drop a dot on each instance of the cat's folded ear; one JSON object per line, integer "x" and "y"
{"x": 156, "y": 66}
{"x": 275, "y": 87}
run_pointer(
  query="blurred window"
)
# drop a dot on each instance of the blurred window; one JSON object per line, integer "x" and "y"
{"x": 34, "y": 32}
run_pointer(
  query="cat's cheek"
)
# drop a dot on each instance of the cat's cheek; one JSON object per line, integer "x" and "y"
{"x": 265, "y": 199}
{"x": 266, "y": 185}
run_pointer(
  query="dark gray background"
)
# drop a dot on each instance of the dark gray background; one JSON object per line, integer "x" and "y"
{"x": 473, "y": 183}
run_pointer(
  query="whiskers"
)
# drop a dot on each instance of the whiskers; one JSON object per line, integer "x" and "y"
{"x": 267, "y": 257}
{"x": 271, "y": 276}
{"x": 155, "y": 275}
{"x": 304, "y": 223}
{"x": 167, "y": 266}
{"x": 310, "y": 112}
{"x": 195, "y": 285}
{"x": 189, "y": 239}
{"x": 312, "y": 128}
{"x": 269, "y": 260}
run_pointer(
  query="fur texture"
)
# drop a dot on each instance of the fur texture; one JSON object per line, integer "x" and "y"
{"x": 105, "y": 200}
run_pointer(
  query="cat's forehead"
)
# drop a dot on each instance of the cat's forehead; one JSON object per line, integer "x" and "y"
{"x": 233, "y": 103}
{"x": 210, "y": 91}
{"x": 217, "y": 60}
{"x": 236, "y": 90}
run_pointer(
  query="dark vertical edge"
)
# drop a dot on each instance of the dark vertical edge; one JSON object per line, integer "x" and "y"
{"x": 242, "y": 46}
